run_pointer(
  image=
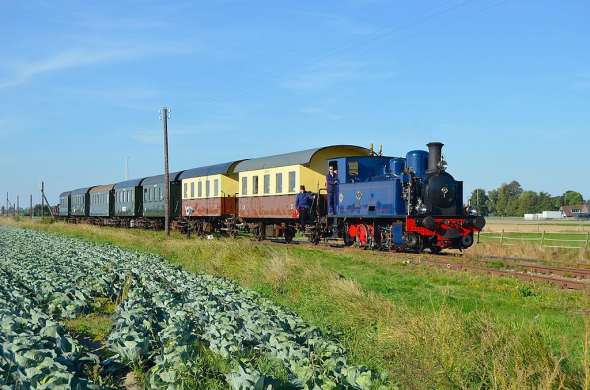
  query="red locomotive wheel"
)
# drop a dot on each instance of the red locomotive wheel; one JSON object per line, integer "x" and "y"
{"x": 352, "y": 231}
{"x": 362, "y": 234}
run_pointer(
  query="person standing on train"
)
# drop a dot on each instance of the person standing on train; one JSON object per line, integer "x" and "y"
{"x": 332, "y": 187}
{"x": 302, "y": 204}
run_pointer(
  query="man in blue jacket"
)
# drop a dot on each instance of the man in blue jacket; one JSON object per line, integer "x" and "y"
{"x": 303, "y": 204}
{"x": 332, "y": 187}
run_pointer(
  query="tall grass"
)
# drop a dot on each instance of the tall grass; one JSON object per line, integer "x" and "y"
{"x": 523, "y": 250}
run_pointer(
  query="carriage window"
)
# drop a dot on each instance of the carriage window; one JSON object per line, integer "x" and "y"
{"x": 161, "y": 193}
{"x": 185, "y": 190}
{"x": 216, "y": 187}
{"x": 192, "y": 189}
{"x": 207, "y": 188}
{"x": 266, "y": 184}
{"x": 254, "y": 184}
{"x": 200, "y": 189}
{"x": 145, "y": 194}
{"x": 279, "y": 183}
{"x": 244, "y": 185}
{"x": 353, "y": 168}
{"x": 292, "y": 181}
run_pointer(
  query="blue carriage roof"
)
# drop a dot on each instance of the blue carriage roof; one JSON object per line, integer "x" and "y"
{"x": 128, "y": 183}
{"x": 302, "y": 157}
{"x": 216, "y": 169}
{"x": 159, "y": 179}
{"x": 79, "y": 191}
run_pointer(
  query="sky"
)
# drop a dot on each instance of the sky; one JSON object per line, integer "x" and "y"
{"x": 505, "y": 84}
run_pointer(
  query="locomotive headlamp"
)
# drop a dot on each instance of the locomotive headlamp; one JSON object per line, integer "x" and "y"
{"x": 421, "y": 207}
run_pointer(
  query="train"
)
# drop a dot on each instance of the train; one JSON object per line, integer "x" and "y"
{"x": 408, "y": 203}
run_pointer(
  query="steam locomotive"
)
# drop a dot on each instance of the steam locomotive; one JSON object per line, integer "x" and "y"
{"x": 393, "y": 203}
{"x": 409, "y": 203}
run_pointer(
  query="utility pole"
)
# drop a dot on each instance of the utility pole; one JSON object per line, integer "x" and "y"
{"x": 127, "y": 168}
{"x": 165, "y": 112}
{"x": 17, "y": 211}
{"x": 42, "y": 200}
{"x": 31, "y": 205}
{"x": 7, "y": 209}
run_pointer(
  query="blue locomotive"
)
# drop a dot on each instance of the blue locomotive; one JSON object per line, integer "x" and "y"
{"x": 401, "y": 203}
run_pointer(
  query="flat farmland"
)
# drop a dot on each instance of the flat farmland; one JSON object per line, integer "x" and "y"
{"x": 410, "y": 325}
{"x": 510, "y": 224}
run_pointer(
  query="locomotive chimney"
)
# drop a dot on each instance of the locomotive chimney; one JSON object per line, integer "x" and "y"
{"x": 434, "y": 156}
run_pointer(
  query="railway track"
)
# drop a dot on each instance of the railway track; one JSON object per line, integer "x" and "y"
{"x": 523, "y": 269}
{"x": 536, "y": 273}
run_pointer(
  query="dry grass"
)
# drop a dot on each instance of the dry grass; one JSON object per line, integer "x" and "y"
{"x": 570, "y": 257}
{"x": 276, "y": 270}
{"x": 498, "y": 226}
{"x": 587, "y": 352}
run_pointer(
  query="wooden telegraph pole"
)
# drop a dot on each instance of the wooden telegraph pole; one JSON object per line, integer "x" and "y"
{"x": 165, "y": 112}
{"x": 42, "y": 200}
{"x": 16, "y": 210}
{"x": 31, "y": 205}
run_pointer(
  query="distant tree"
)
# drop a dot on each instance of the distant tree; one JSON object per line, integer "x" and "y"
{"x": 546, "y": 202}
{"x": 556, "y": 202}
{"x": 479, "y": 200}
{"x": 3, "y": 210}
{"x": 37, "y": 210}
{"x": 507, "y": 202}
{"x": 572, "y": 198}
{"x": 528, "y": 203}
{"x": 492, "y": 203}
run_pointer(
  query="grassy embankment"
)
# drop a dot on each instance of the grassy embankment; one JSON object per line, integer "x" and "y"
{"x": 426, "y": 327}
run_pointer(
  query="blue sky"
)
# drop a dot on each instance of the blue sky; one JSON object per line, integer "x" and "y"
{"x": 504, "y": 84}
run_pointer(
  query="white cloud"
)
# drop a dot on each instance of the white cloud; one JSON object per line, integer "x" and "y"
{"x": 81, "y": 57}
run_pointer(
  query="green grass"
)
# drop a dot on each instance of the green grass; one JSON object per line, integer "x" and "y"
{"x": 557, "y": 239}
{"x": 95, "y": 325}
{"x": 425, "y": 327}
{"x": 548, "y": 222}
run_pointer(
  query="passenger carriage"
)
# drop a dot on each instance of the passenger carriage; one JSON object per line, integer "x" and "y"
{"x": 102, "y": 204}
{"x": 64, "y": 204}
{"x": 128, "y": 196}
{"x": 269, "y": 185}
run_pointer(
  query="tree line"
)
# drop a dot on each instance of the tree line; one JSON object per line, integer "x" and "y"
{"x": 510, "y": 200}
{"x": 25, "y": 211}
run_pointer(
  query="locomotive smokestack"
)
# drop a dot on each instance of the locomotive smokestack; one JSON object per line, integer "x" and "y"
{"x": 434, "y": 156}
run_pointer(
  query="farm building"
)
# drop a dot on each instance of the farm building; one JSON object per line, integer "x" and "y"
{"x": 575, "y": 211}
{"x": 544, "y": 215}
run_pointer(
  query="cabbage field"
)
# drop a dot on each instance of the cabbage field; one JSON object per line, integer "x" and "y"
{"x": 165, "y": 319}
